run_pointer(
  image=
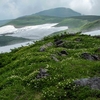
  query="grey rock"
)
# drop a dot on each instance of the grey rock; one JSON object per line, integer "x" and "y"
{"x": 58, "y": 42}
{"x": 54, "y": 58}
{"x": 90, "y": 56}
{"x": 63, "y": 53}
{"x": 45, "y": 46}
{"x": 42, "y": 73}
{"x": 49, "y": 44}
{"x": 93, "y": 83}
{"x": 78, "y": 39}
{"x": 42, "y": 48}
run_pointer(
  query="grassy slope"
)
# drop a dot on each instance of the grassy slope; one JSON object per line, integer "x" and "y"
{"x": 87, "y": 17}
{"x": 72, "y": 23}
{"x": 94, "y": 25}
{"x": 33, "y": 20}
{"x": 19, "y": 68}
{"x": 81, "y": 23}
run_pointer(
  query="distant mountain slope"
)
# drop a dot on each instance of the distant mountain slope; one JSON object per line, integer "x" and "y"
{"x": 87, "y": 17}
{"x": 72, "y": 22}
{"x": 90, "y": 26}
{"x": 62, "y": 16}
{"x": 59, "y": 12}
{"x": 33, "y": 20}
{"x": 2, "y": 22}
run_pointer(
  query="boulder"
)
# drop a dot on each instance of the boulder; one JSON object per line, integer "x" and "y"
{"x": 45, "y": 46}
{"x": 58, "y": 42}
{"x": 42, "y": 73}
{"x": 42, "y": 48}
{"x": 63, "y": 53}
{"x": 90, "y": 57}
{"x": 93, "y": 83}
{"x": 78, "y": 39}
{"x": 53, "y": 56}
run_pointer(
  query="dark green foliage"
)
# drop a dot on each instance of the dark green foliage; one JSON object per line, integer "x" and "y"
{"x": 19, "y": 70}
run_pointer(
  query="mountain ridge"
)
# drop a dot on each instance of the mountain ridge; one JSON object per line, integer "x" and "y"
{"x": 55, "y": 15}
{"x": 59, "y": 12}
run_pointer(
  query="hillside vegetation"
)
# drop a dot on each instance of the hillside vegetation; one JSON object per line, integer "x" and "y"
{"x": 47, "y": 69}
{"x": 90, "y": 26}
{"x": 87, "y": 17}
{"x": 79, "y": 23}
{"x": 33, "y": 20}
{"x": 72, "y": 23}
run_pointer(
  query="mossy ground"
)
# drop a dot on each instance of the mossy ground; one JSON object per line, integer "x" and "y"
{"x": 18, "y": 70}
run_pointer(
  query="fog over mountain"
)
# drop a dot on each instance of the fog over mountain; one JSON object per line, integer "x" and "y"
{"x": 15, "y": 8}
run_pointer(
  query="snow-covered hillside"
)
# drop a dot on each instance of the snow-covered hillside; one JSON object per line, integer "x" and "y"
{"x": 31, "y": 32}
{"x": 36, "y": 32}
{"x": 7, "y": 29}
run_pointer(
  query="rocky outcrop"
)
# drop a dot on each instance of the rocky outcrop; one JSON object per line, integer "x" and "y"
{"x": 78, "y": 39}
{"x": 90, "y": 56}
{"x": 53, "y": 56}
{"x": 42, "y": 73}
{"x": 63, "y": 53}
{"x": 45, "y": 46}
{"x": 58, "y": 42}
{"x": 93, "y": 83}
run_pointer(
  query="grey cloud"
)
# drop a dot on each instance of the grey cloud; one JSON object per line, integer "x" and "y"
{"x": 95, "y": 7}
{"x": 16, "y": 8}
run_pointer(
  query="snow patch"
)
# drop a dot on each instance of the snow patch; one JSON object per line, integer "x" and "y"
{"x": 93, "y": 33}
{"x": 9, "y": 47}
{"x": 35, "y": 32}
{"x": 7, "y": 29}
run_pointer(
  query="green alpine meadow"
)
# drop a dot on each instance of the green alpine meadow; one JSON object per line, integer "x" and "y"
{"x": 58, "y": 67}
{"x": 63, "y": 60}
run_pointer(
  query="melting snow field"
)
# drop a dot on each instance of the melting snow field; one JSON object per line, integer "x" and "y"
{"x": 7, "y": 29}
{"x": 31, "y": 32}
{"x": 93, "y": 33}
{"x": 36, "y": 32}
{"x": 8, "y": 48}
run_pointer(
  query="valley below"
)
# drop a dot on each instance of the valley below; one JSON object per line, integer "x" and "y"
{"x": 30, "y": 33}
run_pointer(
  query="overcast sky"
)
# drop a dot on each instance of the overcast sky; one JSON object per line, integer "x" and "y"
{"x": 15, "y": 8}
